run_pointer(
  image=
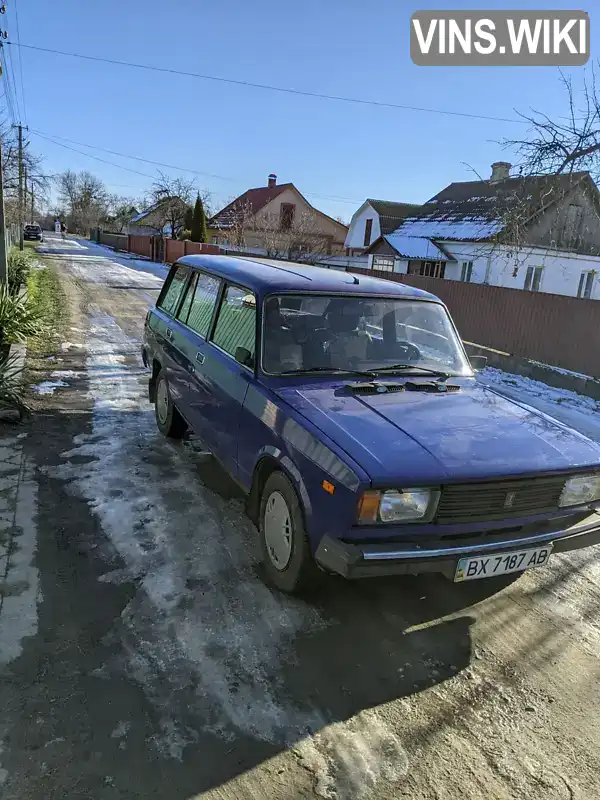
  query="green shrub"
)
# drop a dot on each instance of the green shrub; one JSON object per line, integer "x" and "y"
{"x": 184, "y": 233}
{"x": 19, "y": 266}
{"x": 11, "y": 383}
{"x": 20, "y": 317}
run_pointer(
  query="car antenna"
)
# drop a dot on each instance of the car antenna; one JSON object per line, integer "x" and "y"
{"x": 356, "y": 281}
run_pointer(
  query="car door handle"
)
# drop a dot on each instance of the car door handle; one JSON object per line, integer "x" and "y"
{"x": 169, "y": 333}
{"x": 200, "y": 358}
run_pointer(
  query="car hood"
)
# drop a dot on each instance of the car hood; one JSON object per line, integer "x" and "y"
{"x": 419, "y": 437}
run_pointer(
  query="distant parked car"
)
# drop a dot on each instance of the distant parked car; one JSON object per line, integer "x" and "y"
{"x": 33, "y": 232}
{"x": 347, "y": 410}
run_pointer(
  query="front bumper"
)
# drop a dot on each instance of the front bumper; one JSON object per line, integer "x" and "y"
{"x": 373, "y": 560}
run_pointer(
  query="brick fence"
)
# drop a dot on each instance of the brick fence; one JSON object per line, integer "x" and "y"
{"x": 557, "y": 330}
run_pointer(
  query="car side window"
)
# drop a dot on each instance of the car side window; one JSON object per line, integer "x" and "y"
{"x": 202, "y": 304}
{"x": 236, "y": 323}
{"x": 171, "y": 293}
{"x": 187, "y": 300}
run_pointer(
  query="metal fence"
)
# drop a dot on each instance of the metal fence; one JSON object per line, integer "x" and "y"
{"x": 550, "y": 328}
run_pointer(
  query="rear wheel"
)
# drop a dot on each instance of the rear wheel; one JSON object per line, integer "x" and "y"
{"x": 287, "y": 558}
{"x": 169, "y": 420}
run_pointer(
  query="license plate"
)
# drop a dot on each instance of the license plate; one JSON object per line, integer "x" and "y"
{"x": 470, "y": 569}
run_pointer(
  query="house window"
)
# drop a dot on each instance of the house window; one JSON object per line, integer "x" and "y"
{"x": 368, "y": 229}
{"x": 533, "y": 278}
{"x": 286, "y": 216}
{"x": 586, "y": 282}
{"x": 433, "y": 269}
{"x": 383, "y": 263}
{"x": 466, "y": 271}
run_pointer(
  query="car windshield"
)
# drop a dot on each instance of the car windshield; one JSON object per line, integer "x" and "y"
{"x": 321, "y": 332}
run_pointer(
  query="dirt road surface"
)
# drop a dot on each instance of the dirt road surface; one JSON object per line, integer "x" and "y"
{"x": 151, "y": 661}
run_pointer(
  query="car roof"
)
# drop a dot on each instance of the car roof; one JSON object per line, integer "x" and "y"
{"x": 265, "y": 276}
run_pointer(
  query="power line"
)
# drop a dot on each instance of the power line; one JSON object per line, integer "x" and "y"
{"x": 286, "y": 90}
{"x": 53, "y": 138}
{"x": 10, "y": 106}
{"x": 96, "y": 158}
{"x": 20, "y": 63}
{"x": 11, "y": 77}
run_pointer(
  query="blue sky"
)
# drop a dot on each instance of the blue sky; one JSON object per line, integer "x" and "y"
{"x": 344, "y": 47}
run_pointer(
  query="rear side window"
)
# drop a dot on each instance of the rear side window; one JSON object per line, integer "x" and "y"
{"x": 202, "y": 304}
{"x": 171, "y": 293}
{"x": 236, "y": 324}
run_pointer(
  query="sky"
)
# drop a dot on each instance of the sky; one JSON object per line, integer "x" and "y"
{"x": 336, "y": 153}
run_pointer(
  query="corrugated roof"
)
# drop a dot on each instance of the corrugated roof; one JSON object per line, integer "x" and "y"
{"x": 415, "y": 247}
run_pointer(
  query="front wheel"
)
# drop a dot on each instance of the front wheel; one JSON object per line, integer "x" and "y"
{"x": 287, "y": 558}
{"x": 169, "y": 420}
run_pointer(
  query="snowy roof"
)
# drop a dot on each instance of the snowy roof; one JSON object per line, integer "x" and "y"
{"x": 449, "y": 227}
{"x": 415, "y": 247}
{"x": 143, "y": 214}
{"x": 478, "y": 210}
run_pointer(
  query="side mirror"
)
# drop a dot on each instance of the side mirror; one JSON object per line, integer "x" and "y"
{"x": 244, "y": 356}
{"x": 478, "y": 362}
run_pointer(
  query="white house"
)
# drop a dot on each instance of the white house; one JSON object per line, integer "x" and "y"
{"x": 537, "y": 233}
{"x": 373, "y": 219}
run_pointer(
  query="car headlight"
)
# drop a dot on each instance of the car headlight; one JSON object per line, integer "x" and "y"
{"x": 580, "y": 490}
{"x": 397, "y": 505}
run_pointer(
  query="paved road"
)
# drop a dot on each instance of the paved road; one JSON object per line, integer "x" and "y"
{"x": 163, "y": 667}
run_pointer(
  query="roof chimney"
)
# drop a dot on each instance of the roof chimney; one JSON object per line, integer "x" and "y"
{"x": 272, "y": 180}
{"x": 500, "y": 171}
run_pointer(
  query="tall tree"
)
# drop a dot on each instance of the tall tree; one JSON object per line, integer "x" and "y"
{"x": 189, "y": 219}
{"x": 85, "y": 198}
{"x": 199, "y": 232}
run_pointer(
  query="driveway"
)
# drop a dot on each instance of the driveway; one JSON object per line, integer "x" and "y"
{"x": 159, "y": 665}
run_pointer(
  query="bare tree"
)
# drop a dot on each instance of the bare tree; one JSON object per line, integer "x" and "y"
{"x": 85, "y": 198}
{"x": 33, "y": 167}
{"x": 570, "y": 143}
{"x": 170, "y": 198}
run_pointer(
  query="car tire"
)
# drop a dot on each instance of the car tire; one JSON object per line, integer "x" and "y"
{"x": 287, "y": 559}
{"x": 169, "y": 420}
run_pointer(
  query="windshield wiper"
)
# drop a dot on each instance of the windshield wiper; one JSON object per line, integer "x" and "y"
{"x": 331, "y": 370}
{"x": 402, "y": 367}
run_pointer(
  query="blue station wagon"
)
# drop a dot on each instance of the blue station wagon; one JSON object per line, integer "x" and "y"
{"x": 347, "y": 410}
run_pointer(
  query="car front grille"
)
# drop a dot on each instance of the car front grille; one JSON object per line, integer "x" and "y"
{"x": 494, "y": 500}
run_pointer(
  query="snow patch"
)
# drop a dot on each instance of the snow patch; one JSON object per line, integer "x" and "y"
{"x": 202, "y": 620}
{"x": 48, "y": 387}
{"x": 349, "y": 760}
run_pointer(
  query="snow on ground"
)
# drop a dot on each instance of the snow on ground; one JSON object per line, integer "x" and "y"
{"x": 204, "y": 636}
{"x": 576, "y": 410}
{"x": 204, "y": 616}
{"x": 48, "y": 387}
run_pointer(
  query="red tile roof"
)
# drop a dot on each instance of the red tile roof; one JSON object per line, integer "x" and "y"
{"x": 252, "y": 200}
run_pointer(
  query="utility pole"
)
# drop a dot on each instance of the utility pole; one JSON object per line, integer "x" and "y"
{"x": 3, "y": 268}
{"x": 32, "y": 201}
{"x": 21, "y": 207}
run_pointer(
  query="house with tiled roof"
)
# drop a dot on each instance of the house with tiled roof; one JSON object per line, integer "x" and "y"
{"x": 276, "y": 220}
{"x": 373, "y": 219}
{"x": 537, "y": 233}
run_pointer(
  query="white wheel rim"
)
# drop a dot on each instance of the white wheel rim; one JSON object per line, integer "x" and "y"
{"x": 277, "y": 524}
{"x": 162, "y": 400}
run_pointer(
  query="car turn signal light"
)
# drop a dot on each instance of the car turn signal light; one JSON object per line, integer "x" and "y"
{"x": 368, "y": 507}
